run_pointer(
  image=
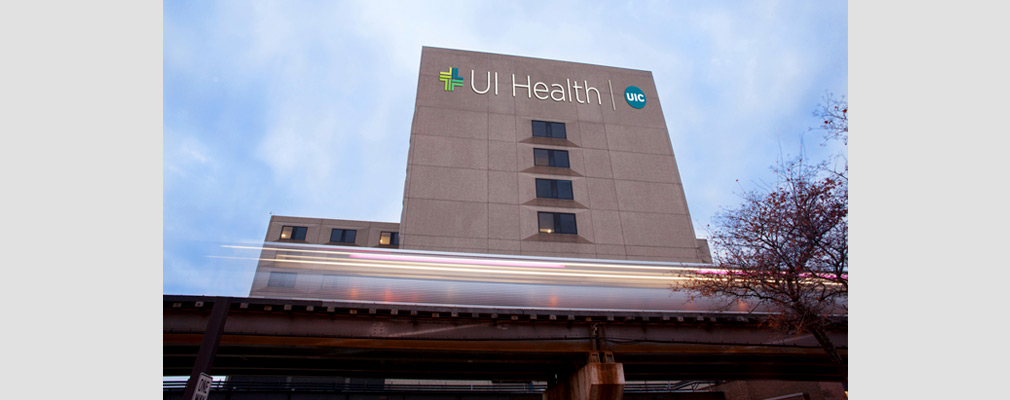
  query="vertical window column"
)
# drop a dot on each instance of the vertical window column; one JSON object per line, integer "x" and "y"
{"x": 549, "y": 129}
{"x": 550, "y": 158}
{"x": 550, "y": 222}
{"x": 554, "y": 189}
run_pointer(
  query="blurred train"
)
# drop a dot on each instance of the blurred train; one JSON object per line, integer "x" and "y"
{"x": 395, "y": 276}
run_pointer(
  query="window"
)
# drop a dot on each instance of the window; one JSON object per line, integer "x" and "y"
{"x": 549, "y": 129}
{"x": 390, "y": 238}
{"x": 293, "y": 232}
{"x": 330, "y": 281}
{"x": 282, "y": 279}
{"x": 550, "y": 158}
{"x": 554, "y": 189}
{"x": 343, "y": 235}
{"x": 557, "y": 223}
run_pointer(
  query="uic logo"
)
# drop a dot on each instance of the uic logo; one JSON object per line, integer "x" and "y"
{"x": 451, "y": 79}
{"x": 634, "y": 96}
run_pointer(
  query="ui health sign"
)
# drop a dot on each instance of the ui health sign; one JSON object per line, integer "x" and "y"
{"x": 202, "y": 387}
{"x": 566, "y": 92}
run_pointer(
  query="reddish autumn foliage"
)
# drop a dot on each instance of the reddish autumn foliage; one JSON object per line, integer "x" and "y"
{"x": 786, "y": 248}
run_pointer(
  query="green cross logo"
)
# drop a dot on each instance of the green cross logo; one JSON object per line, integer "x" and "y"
{"x": 451, "y": 79}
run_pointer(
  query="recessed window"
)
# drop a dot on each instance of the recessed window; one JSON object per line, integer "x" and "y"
{"x": 293, "y": 232}
{"x": 550, "y": 158}
{"x": 557, "y": 223}
{"x": 389, "y": 238}
{"x": 343, "y": 235}
{"x": 554, "y": 189}
{"x": 549, "y": 129}
{"x": 282, "y": 279}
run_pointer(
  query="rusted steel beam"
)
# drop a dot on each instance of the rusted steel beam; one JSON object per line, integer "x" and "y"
{"x": 209, "y": 344}
{"x": 278, "y": 336}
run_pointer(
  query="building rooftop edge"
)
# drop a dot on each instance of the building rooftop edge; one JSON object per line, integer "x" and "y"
{"x": 538, "y": 58}
{"x": 272, "y": 216}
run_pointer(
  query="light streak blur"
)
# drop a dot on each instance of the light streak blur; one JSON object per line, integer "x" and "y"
{"x": 391, "y": 265}
{"x": 456, "y": 261}
{"x": 490, "y": 259}
{"x": 469, "y": 263}
{"x": 397, "y": 263}
{"x": 433, "y": 277}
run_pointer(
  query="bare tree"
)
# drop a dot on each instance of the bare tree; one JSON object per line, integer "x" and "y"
{"x": 834, "y": 111}
{"x": 786, "y": 248}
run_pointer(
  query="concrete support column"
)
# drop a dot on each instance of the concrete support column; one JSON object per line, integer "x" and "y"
{"x": 600, "y": 379}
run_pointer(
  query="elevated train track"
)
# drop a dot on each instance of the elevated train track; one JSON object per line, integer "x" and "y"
{"x": 291, "y": 337}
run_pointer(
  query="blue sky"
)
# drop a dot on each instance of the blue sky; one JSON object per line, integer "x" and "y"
{"x": 272, "y": 107}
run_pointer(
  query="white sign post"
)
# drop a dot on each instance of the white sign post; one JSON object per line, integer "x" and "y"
{"x": 202, "y": 387}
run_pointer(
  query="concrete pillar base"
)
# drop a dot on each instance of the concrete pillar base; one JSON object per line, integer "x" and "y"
{"x": 595, "y": 381}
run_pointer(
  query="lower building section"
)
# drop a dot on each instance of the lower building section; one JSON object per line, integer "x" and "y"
{"x": 340, "y": 232}
{"x": 509, "y": 230}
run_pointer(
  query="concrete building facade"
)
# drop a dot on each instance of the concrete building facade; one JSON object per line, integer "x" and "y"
{"x": 520, "y": 156}
{"x": 483, "y": 140}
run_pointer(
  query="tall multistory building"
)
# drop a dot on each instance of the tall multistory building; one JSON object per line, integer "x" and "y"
{"x": 524, "y": 156}
{"x": 517, "y": 155}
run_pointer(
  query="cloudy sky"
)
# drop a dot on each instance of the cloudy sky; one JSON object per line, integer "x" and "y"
{"x": 270, "y": 107}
